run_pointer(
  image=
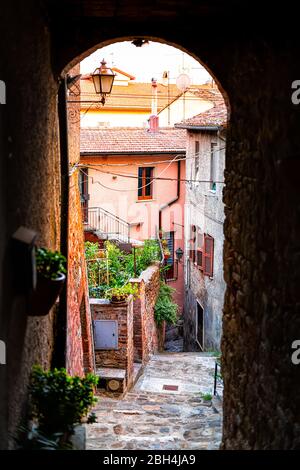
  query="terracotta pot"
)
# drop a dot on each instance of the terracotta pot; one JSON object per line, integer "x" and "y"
{"x": 45, "y": 295}
{"x": 118, "y": 301}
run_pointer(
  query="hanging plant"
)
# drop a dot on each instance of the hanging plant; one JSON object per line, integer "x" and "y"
{"x": 51, "y": 269}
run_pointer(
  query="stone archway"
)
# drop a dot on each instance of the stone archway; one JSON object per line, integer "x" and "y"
{"x": 261, "y": 312}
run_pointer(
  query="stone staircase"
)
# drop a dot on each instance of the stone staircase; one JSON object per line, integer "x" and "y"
{"x": 161, "y": 420}
{"x": 107, "y": 226}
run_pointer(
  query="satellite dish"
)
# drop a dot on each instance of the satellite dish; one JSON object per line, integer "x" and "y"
{"x": 183, "y": 81}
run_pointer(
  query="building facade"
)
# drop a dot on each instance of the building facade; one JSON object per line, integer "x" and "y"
{"x": 204, "y": 217}
{"x": 130, "y": 103}
{"x": 133, "y": 183}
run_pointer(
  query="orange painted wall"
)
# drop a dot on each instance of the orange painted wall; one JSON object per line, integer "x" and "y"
{"x": 118, "y": 194}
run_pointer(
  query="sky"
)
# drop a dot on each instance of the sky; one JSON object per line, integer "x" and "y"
{"x": 147, "y": 62}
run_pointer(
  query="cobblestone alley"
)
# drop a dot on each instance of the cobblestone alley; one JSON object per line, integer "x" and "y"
{"x": 165, "y": 409}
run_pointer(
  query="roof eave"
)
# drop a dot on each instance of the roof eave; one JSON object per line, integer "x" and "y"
{"x": 144, "y": 152}
{"x": 198, "y": 128}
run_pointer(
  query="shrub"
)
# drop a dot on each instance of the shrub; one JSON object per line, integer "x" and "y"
{"x": 118, "y": 267}
{"x": 121, "y": 293}
{"x": 165, "y": 308}
{"x": 145, "y": 255}
{"x": 206, "y": 396}
{"x": 60, "y": 401}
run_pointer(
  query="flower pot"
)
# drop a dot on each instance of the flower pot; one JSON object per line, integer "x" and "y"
{"x": 45, "y": 295}
{"x": 118, "y": 300}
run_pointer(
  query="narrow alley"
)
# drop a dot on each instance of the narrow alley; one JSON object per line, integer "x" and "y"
{"x": 165, "y": 409}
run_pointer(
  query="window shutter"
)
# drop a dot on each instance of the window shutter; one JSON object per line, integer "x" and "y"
{"x": 140, "y": 182}
{"x": 199, "y": 253}
{"x": 192, "y": 241}
{"x": 200, "y": 258}
{"x": 208, "y": 255}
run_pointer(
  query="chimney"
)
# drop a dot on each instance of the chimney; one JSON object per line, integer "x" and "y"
{"x": 153, "y": 123}
{"x": 153, "y": 120}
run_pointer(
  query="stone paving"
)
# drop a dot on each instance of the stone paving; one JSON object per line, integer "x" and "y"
{"x": 154, "y": 418}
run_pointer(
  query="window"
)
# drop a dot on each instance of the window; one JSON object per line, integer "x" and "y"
{"x": 204, "y": 258}
{"x": 200, "y": 326}
{"x": 208, "y": 256}
{"x": 84, "y": 193}
{"x": 199, "y": 257}
{"x": 213, "y": 164}
{"x": 170, "y": 262}
{"x": 145, "y": 184}
{"x": 197, "y": 157}
{"x": 192, "y": 243}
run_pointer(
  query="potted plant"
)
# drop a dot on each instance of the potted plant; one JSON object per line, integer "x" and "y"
{"x": 119, "y": 295}
{"x": 167, "y": 253}
{"x": 51, "y": 269}
{"x": 60, "y": 402}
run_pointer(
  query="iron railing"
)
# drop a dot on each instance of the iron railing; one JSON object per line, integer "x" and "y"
{"x": 217, "y": 377}
{"x": 111, "y": 226}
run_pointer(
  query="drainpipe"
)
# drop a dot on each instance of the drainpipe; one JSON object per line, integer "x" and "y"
{"x": 168, "y": 204}
{"x": 219, "y": 134}
{"x": 153, "y": 120}
{"x": 154, "y": 97}
{"x": 60, "y": 333}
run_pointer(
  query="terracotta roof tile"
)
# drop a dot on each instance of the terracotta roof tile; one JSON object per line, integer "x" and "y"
{"x": 131, "y": 140}
{"x": 214, "y": 117}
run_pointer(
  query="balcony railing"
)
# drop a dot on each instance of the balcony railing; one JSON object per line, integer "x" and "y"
{"x": 109, "y": 225}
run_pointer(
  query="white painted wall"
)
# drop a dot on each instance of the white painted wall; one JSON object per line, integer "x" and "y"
{"x": 204, "y": 208}
{"x": 183, "y": 108}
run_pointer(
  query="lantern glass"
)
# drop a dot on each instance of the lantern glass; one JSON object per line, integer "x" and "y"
{"x": 103, "y": 79}
{"x": 179, "y": 253}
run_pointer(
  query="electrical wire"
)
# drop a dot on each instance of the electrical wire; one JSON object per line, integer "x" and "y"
{"x": 80, "y": 166}
{"x": 133, "y": 176}
{"x": 154, "y": 178}
{"x": 195, "y": 155}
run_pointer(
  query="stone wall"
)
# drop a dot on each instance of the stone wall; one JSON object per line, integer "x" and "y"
{"x": 121, "y": 358}
{"x": 148, "y": 337}
{"x": 205, "y": 210}
{"x": 30, "y": 191}
{"x": 262, "y": 228}
{"x": 79, "y": 329}
{"x": 31, "y": 186}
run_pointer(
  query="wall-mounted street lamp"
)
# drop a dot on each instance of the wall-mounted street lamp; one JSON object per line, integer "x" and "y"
{"x": 103, "y": 79}
{"x": 179, "y": 254}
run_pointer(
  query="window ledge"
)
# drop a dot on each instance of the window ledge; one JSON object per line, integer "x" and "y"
{"x": 145, "y": 200}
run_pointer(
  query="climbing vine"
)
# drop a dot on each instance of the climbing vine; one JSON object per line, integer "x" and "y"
{"x": 165, "y": 308}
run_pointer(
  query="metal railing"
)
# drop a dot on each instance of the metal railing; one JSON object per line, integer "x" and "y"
{"x": 172, "y": 272}
{"x": 217, "y": 377}
{"x": 100, "y": 220}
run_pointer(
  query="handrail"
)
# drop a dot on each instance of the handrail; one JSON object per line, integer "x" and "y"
{"x": 101, "y": 220}
{"x": 110, "y": 214}
{"x": 160, "y": 247}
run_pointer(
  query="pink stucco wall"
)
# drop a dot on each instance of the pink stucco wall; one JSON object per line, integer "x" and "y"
{"x": 118, "y": 195}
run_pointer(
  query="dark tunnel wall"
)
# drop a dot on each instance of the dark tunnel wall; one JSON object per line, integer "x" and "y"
{"x": 261, "y": 255}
